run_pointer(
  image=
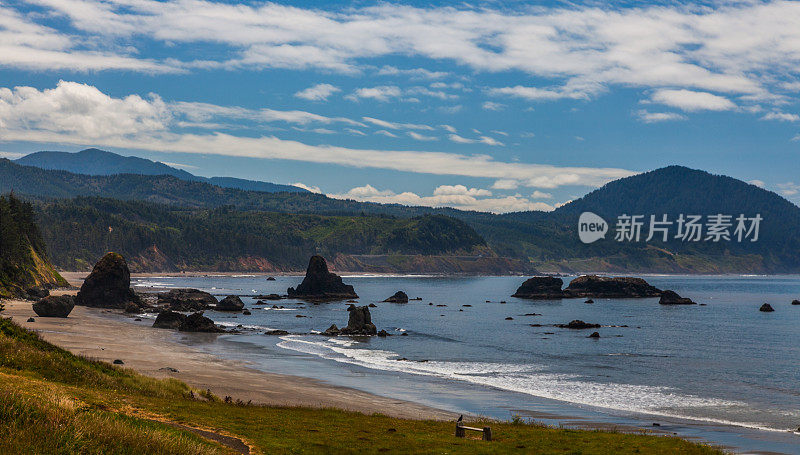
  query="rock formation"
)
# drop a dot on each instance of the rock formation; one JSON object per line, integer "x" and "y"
{"x": 578, "y": 324}
{"x": 795, "y": 302}
{"x": 230, "y": 303}
{"x": 540, "y": 287}
{"x": 54, "y": 306}
{"x": 398, "y": 297}
{"x": 610, "y": 287}
{"x": 186, "y": 300}
{"x": 168, "y": 320}
{"x": 320, "y": 284}
{"x": 672, "y": 298}
{"x": 109, "y": 284}
{"x": 196, "y": 322}
{"x": 360, "y": 322}
{"x": 766, "y": 308}
{"x": 332, "y": 330}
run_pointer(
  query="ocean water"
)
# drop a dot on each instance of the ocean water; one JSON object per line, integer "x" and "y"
{"x": 723, "y": 372}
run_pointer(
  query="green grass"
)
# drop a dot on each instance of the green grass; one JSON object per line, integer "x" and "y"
{"x": 54, "y": 402}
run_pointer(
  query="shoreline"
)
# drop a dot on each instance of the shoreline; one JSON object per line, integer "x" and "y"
{"x": 151, "y": 351}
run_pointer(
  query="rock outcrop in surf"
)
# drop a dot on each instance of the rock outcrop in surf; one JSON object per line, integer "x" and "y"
{"x": 321, "y": 284}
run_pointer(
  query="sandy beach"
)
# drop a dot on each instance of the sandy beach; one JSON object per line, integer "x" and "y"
{"x": 96, "y": 333}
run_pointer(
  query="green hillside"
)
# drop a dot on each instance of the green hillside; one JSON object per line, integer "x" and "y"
{"x": 161, "y": 237}
{"x": 23, "y": 259}
{"x": 545, "y": 241}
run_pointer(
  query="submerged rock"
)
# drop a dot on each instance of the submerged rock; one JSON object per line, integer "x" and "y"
{"x": 359, "y": 322}
{"x": 766, "y": 308}
{"x": 594, "y": 335}
{"x": 277, "y": 332}
{"x": 109, "y": 284}
{"x": 398, "y": 297}
{"x": 270, "y": 278}
{"x": 610, "y": 287}
{"x": 230, "y": 303}
{"x": 54, "y": 306}
{"x": 196, "y": 322}
{"x": 332, "y": 330}
{"x": 321, "y": 284}
{"x": 168, "y": 319}
{"x": 578, "y": 324}
{"x": 672, "y": 298}
{"x": 540, "y": 287}
{"x": 186, "y": 300}
{"x": 795, "y": 302}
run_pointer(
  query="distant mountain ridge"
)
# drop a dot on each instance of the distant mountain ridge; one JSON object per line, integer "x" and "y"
{"x": 93, "y": 161}
{"x": 545, "y": 241}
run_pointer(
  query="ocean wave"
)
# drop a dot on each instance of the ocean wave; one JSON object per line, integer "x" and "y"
{"x": 533, "y": 380}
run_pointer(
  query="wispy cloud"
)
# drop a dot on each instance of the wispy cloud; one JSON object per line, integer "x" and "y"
{"x": 692, "y": 101}
{"x": 83, "y": 115}
{"x": 458, "y": 196}
{"x": 318, "y": 92}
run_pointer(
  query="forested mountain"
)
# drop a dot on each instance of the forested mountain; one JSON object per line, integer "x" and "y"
{"x": 23, "y": 259}
{"x": 101, "y": 162}
{"x": 165, "y": 238}
{"x": 546, "y": 241}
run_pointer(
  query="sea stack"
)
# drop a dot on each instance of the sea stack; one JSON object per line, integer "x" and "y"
{"x": 321, "y": 284}
{"x": 398, "y": 297}
{"x": 610, "y": 287}
{"x": 540, "y": 287}
{"x": 109, "y": 284}
{"x": 359, "y": 322}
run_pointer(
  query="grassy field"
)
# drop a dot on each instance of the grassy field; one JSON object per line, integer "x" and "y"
{"x": 54, "y": 402}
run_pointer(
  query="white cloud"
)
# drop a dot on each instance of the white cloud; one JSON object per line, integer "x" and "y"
{"x": 658, "y": 117}
{"x": 179, "y": 165}
{"x": 414, "y": 73}
{"x": 355, "y": 131}
{"x": 11, "y": 155}
{"x": 481, "y": 140}
{"x": 691, "y": 101}
{"x": 447, "y": 197}
{"x": 313, "y": 189}
{"x": 744, "y": 48}
{"x": 385, "y": 133}
{"x": 541, "y": 94}
{"x": 501, "y": 133}
{"x": 381, "y": 93}
{"x": 318, "y": 92}
{"x": 80, "y": 114}
{"x": 781, "y": 117}
{"x": 756, "y": 182}
{"x": 541, "y": 195}
{"x": 788, "y": 188}
{"x": 448, "y": 128}
{"x": 655, "y": 117}
{"x": 492, "y": 106}
{"x": 506, "y": 184}
{"x": 421, "y": 137}
{"x": 452, "y": 190}
{"x": 397, "y": 126}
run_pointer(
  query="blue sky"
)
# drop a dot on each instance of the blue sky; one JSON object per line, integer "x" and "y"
{"x": 496, "y": 106}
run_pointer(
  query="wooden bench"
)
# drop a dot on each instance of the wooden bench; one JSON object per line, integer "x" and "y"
{"x": 461, "y": 431}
